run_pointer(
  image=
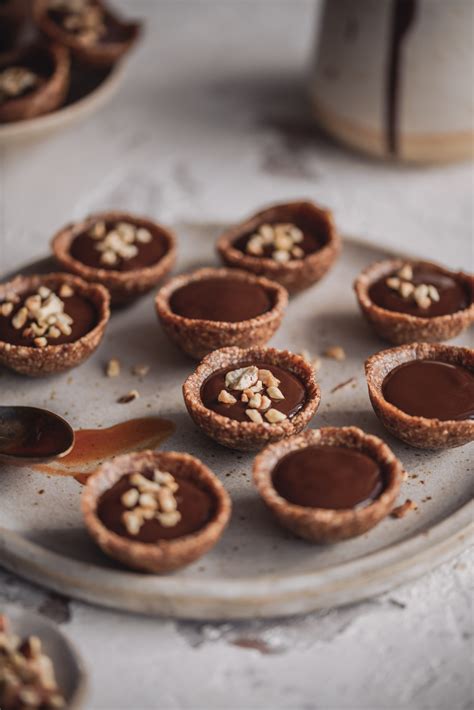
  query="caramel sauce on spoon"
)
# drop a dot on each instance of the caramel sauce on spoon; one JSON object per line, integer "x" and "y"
{"x": 93, "y": 446}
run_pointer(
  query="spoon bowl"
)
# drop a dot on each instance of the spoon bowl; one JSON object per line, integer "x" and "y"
{"x": 33, "y": 435}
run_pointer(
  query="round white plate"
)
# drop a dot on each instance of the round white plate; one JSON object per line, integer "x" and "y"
{"x": 257, "y": 569}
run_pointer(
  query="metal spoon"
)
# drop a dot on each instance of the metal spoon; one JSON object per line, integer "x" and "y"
{"x": 32, "y": 435}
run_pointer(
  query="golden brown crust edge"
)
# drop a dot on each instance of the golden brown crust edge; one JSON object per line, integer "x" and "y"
{"x": 165, "y": 555}
{"x": 198, "y": 338}
{"x": 419, "y": 432}
{"x": 123, "y": 286}
{"x": 400, "y": 328}
{"x": 249, "y": 436}
{"x": 296, "y": 275}
{"x": 323, "y": 525}
{"x": 53, "y": 359}
{"x": 105, "y": 54}
{"x": 48, "y": 97}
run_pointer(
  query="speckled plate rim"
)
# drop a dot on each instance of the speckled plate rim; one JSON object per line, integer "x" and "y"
{"x": 248, "y": 597}
{"x": 32, "y": 127}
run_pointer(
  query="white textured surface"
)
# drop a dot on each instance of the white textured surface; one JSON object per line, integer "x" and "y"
{"x": 210, "y": 124}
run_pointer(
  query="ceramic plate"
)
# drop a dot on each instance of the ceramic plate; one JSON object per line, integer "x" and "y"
{"x": 257, "y": 569}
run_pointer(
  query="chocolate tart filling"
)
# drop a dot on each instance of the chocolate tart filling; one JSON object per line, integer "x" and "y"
{"x": 93, "y": 251}
{"x": 451, "y": 295}
{"x": 310, "y": 237}
{"x": 290, "y": 386}
{"x": 328, "y": 477}
{"x": 195, "y": 505}
{"x": 228, "y": 300}
{"x": 431, "y": 389}
{"x": 81, "y": 314}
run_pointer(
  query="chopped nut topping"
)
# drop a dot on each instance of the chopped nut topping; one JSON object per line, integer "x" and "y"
{"x": 82, "y": 18}
{"x": 113, "y": 368}
{"x": 242, "y": 378}
{"x": 147, "y": 499}
{"x": 140, "y": 370}
{"x": 27, "y": 675}
{"x": 41, "y": 317}
{"x": 129, "y": 397}
{"x": 275, "y": 393}
{"x": 423, "y": 294}
{"x": 120, "y": 242}
{"x": 226, "y": 398}
{"x": 335, "y": 353}
{"x": 66, "y": 291}
{"x": 15, "y": 81}
{"x": 283, "y": 238}
{"x": 255, "y": 402}
{"x": 254, "y": 416}
{"x": 6, "y": 309}
{"x": 268, "y": 378}
{"x": 274, "y": 416}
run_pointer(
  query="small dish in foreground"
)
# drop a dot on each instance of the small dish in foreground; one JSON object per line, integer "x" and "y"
{"x": 248, "y": 432}
{"x": 294, "y": 243}
{"x": 323, "y": 525}
{"x": 68, "y": 666}
{"x": 214, "y": 308}
{"x": 419, "y": 431}
{"x": 155, "y": 511}
{"x": 433, "y": 303}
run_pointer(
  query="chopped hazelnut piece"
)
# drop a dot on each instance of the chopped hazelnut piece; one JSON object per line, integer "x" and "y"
{"x": 226, "y": 398}
{"x": 254, "y": 416}
{"x": 242, "y": 378}
{"x": 141, "y": 370}
{"x": 335, "y": 352}
{"x": 275, "y": 393}
{"x": 274, "y": 416}
{"x": 130, "y": 498}
{"x": 406, "y": 272}
{"x": 113, "y": 368}
{"x": 169, "y": 520}
{"x": 66, "y": 291}
{"x": 129, "y": 397}
{"x": 6, "y": 309}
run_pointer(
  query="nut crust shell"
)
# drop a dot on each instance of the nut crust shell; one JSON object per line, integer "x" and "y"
{"x": 49, "y": 96}
{"x": 198, "y": 337}
{"x": 52, "y": 359}
{"x": 100, "y": 54}
{"x": 322, "y": 525}
{"x": 249, "y": 436}
{"x": 400, "y": 328}
{"x": 164, "y": 555}
{"x": 124, "y": 286}
{"x": 295, "y": 275}
{"x": 420, "y": 432}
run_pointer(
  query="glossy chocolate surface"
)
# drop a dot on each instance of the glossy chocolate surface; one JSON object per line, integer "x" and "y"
{"x": 81, "y": 310}
{"x": 196, "y": 505}
{"x": 453, "y": 295}
{"x": 290, "y": 386}
{"x": 221, "y": 299}
{"x": 330, "y": 477}
{"x": 432, "y": 389}
{"x": 314, "y": 237}
{"x": 84, "y": 249}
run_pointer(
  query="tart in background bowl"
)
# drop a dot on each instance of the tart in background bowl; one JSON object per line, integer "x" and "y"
{"x": 298, "y": 264}
{"x": 419, "y": 431}
{"x": 327, "y": 525}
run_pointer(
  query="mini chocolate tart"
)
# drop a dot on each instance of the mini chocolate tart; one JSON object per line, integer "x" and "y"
{"x": 212, "y": 308}
{"x": 328, "y": 484}
{"x": 424, "y": 394}
{"x": 244, "y": 399}
{"x": 155, "y": 511}
{"x": 33, "y": 81}
{"x": 49, "y": 324}
{"x": 294, "y": 243}
{"x": 127, "y": 254}
{"x": 406, "y": 301}
{"x": 88, "y": 28}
